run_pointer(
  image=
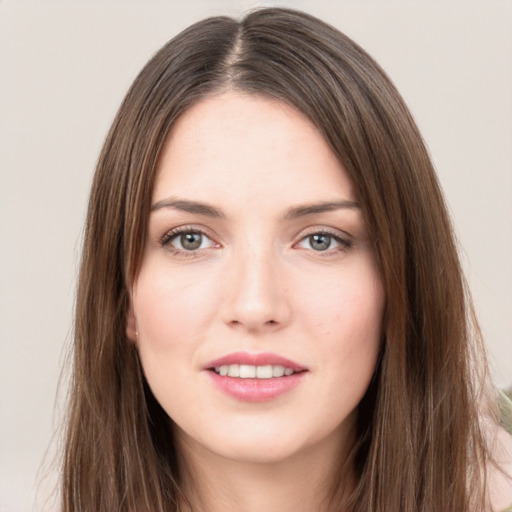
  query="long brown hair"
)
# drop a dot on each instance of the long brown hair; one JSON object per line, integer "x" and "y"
{"x": 419, "y": 444}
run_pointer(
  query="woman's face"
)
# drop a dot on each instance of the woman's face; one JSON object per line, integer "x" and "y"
{"x": 258, "y": 304}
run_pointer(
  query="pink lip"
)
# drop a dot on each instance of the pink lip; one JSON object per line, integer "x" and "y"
{"x": 256, "y": 390}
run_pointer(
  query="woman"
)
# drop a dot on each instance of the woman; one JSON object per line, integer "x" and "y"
{"x": 271, "y": 312}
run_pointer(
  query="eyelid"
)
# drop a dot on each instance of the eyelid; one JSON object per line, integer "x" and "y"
{"x": 345, "y": 240}
{"x": 171, "y": 234}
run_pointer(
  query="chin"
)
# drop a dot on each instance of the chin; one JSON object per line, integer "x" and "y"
{"x": 263, "y": 450}
{"x": 259, "y": 451}
{"x": 263, "y": 442}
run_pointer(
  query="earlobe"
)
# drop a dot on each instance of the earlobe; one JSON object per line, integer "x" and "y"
{"x": 131, "y": 324}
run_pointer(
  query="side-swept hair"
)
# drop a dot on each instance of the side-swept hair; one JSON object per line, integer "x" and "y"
{"x": 419, "y": 445}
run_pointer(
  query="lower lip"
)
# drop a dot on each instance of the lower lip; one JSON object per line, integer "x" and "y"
{"x": 256, "y": 390}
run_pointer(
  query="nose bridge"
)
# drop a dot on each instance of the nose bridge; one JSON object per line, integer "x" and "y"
{"x": 257, "y": 296}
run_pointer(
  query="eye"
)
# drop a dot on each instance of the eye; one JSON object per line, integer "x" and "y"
{"x": 187, "y": 240}
{"x": 320, "y": 241}
{"x": 323, "y": 241}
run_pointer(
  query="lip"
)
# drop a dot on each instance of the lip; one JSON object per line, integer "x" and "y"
{"x": 255, "y": 390}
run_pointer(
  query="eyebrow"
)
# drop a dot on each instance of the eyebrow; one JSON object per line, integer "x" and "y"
{"x": 292, "y": 213}
{"x": 189, "y": 207}
{"x": 314, "y": 208}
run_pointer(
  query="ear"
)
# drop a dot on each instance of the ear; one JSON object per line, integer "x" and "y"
{"x": 131, "y": 323}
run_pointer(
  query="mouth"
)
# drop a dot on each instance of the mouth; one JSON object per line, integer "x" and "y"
{"x": 255, "y": 377}
{"x": 248, "y": 371}
{"x": 244, "y": 365}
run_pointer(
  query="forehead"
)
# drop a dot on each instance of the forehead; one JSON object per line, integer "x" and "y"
{"x": 248, "y": 145}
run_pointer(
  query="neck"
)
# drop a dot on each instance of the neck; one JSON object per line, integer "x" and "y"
{"x": 303, "y": 482}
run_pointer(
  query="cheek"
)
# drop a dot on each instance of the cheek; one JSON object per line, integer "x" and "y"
{"x": 351, "y": 302}
{"x": 172, "y": 307}
{"x": 345, "y": 317}
{"x": 171, "y": 310}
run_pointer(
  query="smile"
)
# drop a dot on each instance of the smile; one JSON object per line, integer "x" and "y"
{"x": 255, "y": 377}
{"x": 247, "y": 371}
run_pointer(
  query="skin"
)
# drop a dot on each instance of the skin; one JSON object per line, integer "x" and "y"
{"x": 256, "y": 283}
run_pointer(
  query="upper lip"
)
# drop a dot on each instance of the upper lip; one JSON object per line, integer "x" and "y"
{"x": 261, "y": 359}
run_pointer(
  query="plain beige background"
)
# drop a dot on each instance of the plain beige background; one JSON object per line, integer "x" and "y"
{"x": 64, "y": 68}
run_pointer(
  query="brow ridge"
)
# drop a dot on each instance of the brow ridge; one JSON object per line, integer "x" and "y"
{"x": 188, "y": 206}
{"x": 295, "y": 212}
{"x": 315, "y": 208}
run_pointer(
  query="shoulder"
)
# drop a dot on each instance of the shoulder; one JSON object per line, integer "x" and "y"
{"x": 505, "y": 409}
{"x": 500, "y": 473}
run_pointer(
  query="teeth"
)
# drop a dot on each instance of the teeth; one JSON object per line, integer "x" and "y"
{"x": 247, "y": 371}
{"x": 278, "y": 371}
{"x": 233, "y": 370}
{"x": 264, "y": 372}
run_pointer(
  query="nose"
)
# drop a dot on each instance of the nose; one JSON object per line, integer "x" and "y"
{"x": 256, "y": 294}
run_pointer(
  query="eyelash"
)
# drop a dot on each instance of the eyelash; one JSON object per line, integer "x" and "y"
{"x": 344, "y": 243}
{"x": 177, "y": 232}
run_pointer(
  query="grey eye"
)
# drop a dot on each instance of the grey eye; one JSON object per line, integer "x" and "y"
{"x": 191, "y": 241}
{"x": 320, "y": 241}
{"x": 187, "y": 242}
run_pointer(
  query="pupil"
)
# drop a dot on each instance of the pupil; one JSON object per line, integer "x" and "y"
{"x": 320, "y": 242}
{"x": 191, "y": 241}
